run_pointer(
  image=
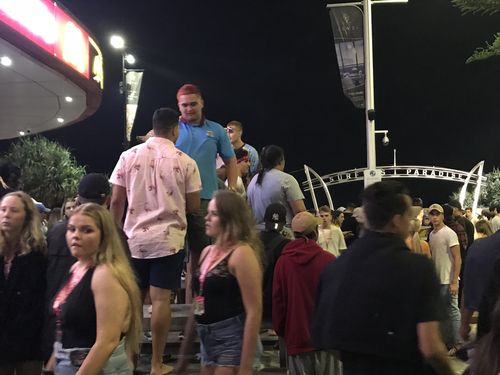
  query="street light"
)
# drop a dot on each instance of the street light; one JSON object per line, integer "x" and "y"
{"x": 117, "y": 42}
{"x": 130, "y": 59}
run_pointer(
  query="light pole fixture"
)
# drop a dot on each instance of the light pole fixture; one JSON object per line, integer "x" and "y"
{"x": 369, "y": 91}
{"x": 372, "y": 175}
{"x": 385, "y": 140}
{"x": 118, "y": 43}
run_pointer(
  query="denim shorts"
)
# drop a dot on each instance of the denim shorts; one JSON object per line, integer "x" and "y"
{"x": 117, "y": 364}
{"x": 221, "y": 342}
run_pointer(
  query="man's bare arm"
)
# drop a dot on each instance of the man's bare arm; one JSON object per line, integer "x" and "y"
{"x": 457, "y": 263}
{"x": 432, "y": 348}
{"x": 231, "y": 173}
{"x": 118, "y": 201}
{"x": 193, "y": 202}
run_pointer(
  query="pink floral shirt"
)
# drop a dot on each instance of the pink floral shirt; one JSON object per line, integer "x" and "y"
{"x": 157, "y": 176}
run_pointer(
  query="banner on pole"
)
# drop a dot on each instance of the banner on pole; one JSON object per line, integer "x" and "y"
{"x": 133, "y": 81}
{"x": 347, "y": 26}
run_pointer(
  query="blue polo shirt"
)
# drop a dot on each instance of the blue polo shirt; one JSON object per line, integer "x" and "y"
{"x": 203, "y": 143}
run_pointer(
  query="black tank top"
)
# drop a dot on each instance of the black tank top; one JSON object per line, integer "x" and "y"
{"x": 221, "y": 292}
{"x": 78, "y": 315}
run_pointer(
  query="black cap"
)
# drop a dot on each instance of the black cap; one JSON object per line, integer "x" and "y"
{"x": 275, "y": 213}
{"x": 448, "y": 210}
{"x": 94, "y": 186}
{"x": 455, "y": 203}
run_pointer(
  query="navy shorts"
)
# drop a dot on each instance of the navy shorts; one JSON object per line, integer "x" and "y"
{"x": 221, "y": 342}
{"x": 164, "y": 272}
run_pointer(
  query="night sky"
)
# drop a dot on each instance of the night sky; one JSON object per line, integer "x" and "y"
{"x": 272, "y": 65}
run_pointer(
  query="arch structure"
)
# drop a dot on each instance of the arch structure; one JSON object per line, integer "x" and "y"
{"x": 473, "y": 177}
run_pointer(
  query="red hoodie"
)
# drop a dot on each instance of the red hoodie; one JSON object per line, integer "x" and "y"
{"x": 296, "y": 278}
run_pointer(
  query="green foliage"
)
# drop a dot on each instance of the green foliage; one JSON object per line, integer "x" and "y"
{"x": 469, "y": 198}
{"x": 478, "y": 6}
{"x": 491, "y": 193}
{"x": 483, "y": 7}
{"x": 49, "y": 172}
{"x": 489, "y": 51}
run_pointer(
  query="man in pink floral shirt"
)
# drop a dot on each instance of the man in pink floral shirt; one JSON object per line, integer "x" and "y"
{"x": 160, "y": 184}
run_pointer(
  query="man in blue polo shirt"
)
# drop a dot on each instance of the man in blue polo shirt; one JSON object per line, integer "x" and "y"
{"x": 202, "y": 140}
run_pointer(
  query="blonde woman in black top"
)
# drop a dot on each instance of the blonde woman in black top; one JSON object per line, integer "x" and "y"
{"x": 98, "y": 308}
{"x": 22, "y": 285}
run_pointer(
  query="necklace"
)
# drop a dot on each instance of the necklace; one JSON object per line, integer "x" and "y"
{"x": 7, "y": 264}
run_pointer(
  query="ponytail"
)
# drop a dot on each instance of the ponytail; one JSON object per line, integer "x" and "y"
{"x": 270, "y": 157}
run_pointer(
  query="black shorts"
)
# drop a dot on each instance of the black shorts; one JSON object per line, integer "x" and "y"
{"x": 164, "y": 272}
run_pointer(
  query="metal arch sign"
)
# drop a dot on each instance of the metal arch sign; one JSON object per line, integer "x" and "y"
{"x": 400, "y": 171}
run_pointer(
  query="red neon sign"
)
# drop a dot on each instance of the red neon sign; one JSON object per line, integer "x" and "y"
{"x": 49, "y": 27}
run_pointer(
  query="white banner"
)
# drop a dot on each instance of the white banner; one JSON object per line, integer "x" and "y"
{"x": 347, "y": 26}
{"x": 133, "y": 80}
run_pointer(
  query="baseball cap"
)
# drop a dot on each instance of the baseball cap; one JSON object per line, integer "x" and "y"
{"x": 304, "y": 222}
{"x": 275, "y": 213}
{"x": 41, "y": 207}
{"x": 94, "y": 186}
{"x": 455, "y": 203}
{"x": 436, "y": 207}
{"x": 447, "y": 210}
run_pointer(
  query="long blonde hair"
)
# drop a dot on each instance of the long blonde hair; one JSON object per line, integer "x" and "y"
{"x": 236, "y": 220}
{"x": 31, "y": 236}
{"x": 416, "y": 246}
{"x": 112, "y": 254}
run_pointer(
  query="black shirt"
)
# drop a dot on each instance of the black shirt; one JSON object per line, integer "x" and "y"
{"x": 221, "y": 293}
{"x": 369, "y": 303}
{"x": 21, "y": 308}
{"x": 78, "y": 315}
{"x": 59, "y": 258}
{"x": 273, "y": 243}
{"x": 350, "y": 224}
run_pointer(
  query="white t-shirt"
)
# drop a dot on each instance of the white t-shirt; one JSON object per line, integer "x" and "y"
{"x": 331, "y": 240}
{"x": 495, "y": 223}
{"x": 440, "y": 243}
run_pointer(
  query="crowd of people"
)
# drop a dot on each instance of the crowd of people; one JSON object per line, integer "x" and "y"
{"x": 386, "y": 287}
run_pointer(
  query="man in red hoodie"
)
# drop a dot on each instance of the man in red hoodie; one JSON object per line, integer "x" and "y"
{"x": 296, "y": 278}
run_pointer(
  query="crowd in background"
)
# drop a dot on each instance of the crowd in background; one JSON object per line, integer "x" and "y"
{"x": 391, "y": 286}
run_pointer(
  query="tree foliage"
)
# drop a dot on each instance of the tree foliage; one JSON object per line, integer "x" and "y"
{"x": 490, "y": 194}
{"x": 49, "y": 172}
{"x": 478, "y": 6}
{"x": 469, "y": 198}
{"x": 487, "y": 7}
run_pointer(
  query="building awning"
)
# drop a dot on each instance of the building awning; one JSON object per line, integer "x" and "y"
{"x": 50, "y": 68}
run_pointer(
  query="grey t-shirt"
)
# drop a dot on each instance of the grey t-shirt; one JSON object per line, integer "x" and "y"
{"x": 276, "y": 187}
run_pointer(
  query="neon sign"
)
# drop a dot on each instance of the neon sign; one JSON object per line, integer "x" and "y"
{"x": 49, "y": 27}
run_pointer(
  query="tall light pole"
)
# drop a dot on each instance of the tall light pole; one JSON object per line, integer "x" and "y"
{"x": 117, "y": 42}
{"x": 371, "y": 174}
